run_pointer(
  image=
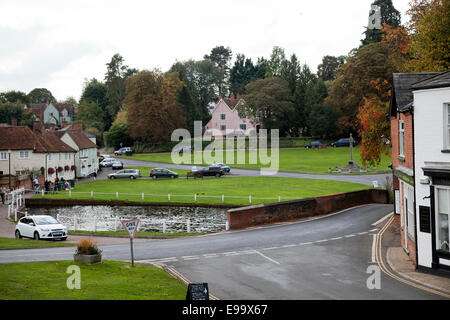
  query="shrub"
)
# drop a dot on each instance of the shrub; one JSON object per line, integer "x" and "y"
{"x": 87, "y": 246}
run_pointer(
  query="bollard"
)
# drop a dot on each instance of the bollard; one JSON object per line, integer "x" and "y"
{"x": 75, "y": 222}
{"x": 279, "y": 198}
{"x": 9, "y": 211}
{"x": 164, "y": 225}
{"x": 15, "y": 214}
{"x": 195, "y": 197}
{"x": 26, "y": 213}
{"x": 227, "y": 225}
{"x": 169, "y": 196}
{"x": 117, "y": 196}
{"x": 223, "y": 198}
{"x": 142, "y": 196}
{"x": 92, "y": 195}
{"x": 95, "y": 223}
{"x": 188, "y": 225}
{"x": 42, "y": 192}
{"x": 115, "y": 223}
{"x": 250, "y": 199}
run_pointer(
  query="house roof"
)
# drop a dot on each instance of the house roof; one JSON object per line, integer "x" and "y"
{"x": 440, "y": 80}
{"x": 20, "y": 138}
{"x": 53, "y": 143}
{"x": 62, "y": 106}
{"x": 232, "y": 102}
{"x": 81, "y": 140}
{"x": 38, "y": 108}
{"x": 402, "y": 95}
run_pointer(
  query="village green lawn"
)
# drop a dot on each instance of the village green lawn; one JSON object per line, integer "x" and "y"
{"x": 109, "y": 280}
{"x": 236, "y": 189}
{"x": 291, "y": 160}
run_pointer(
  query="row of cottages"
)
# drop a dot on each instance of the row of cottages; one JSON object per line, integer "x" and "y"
{"x": 53, "y": 113}
{"x": 420, "y": 132}
{"x": 56, "y": 154}
{"x": 225, "y": 120}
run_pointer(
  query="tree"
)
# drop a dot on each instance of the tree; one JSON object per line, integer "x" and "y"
{"x": 91, "y": 115}
{"x": 389, "y": 16}
{"x": 117, "y": 134}
{"x": 290, "y": 71}
{"x": 375, "y": 127}
{"x": 429, "y": 30}
{"x": 96, "y": 91}
{"x": 268, "y": 102}
{"x": 300, "y": 115}
{"x": 9, "y": 111}
{"x": 221, "y": 58}
{"x": 328, "y": 69}
{"x": 322, "y": 121}
{"x": 153, "y": 111}
{"x": 116, "y": 74}
{"x": 69, "y": 100}
{"x": 242, "y": 73}
{"x": 14, "y": 96}
{"x": 346, "y": 93}
{"x": 275, "y": 64}
{"x": 41, "y": 95}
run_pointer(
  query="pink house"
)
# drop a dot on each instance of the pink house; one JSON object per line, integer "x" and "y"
{"x": 225, "y": 120}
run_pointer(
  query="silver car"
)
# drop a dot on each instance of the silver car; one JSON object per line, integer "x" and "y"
{"x": 125, "y": 173}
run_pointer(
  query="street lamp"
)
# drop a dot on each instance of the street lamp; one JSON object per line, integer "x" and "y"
{"x": 9, "y": 170}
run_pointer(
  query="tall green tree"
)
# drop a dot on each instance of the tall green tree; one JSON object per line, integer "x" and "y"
{"x": 274, "y": 65}
{"x": 242, "y": 73}
{"x": 300, "y": 115}
{"x": 221, "y": 58}
{"x": 290, "y": 71}
{"x": 96, "y": 91}
{"x": 268, "y": 102}
{"x": 14, "y": 96}
{"x": 328, "y": 69}
{"x": 41, "y": 95}
{"x": 116, "y": 74}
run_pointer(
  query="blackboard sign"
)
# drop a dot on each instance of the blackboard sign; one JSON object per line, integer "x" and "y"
{"x": 424, "y": 219}
{"x": 197, "y": 291}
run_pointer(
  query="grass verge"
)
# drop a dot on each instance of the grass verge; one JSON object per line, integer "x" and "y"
{"x": 109, "y": 280}
{"x": 10, "y": 243}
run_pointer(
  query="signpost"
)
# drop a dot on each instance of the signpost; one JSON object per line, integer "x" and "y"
{"x": 131, "y": 227}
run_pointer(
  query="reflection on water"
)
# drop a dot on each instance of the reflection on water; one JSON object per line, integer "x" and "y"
{"x": 153, "y": 218}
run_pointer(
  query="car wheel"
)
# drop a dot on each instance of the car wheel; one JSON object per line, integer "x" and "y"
{"x": 36, "y": 236}
{"x": 112, "y": 177}
{"x": 64, "y": 239}
{"x": 154, "y": 177}
{"x": 218, "y": 175}
{"x": 132, "y": 177}
{"x": 172, "y": 177}
{"x": 18, "y": 236}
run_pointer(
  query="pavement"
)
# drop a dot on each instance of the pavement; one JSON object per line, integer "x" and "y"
{"x": 329, "y": 257}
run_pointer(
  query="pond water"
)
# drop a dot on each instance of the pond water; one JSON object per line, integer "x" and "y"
{"x": 152, "y": 218}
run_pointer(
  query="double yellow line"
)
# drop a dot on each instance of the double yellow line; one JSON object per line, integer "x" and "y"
{"x": 379, "y": 258}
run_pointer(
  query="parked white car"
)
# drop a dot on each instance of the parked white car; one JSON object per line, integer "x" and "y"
{"x": 40, "y": 227}
{"x": 108, "y": 162}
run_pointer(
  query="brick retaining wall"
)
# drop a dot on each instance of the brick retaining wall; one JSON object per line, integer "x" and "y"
{"x": 295, "y": 209}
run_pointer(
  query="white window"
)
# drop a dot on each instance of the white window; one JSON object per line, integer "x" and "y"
{"x": 223, "y": 127}
{"x": 443, "y": 209}
{"x": 49, "y": 157}
{"x": 222, "y": 116}
{"x": 447, "y": 126}
{"x": 24, "y": 154}
{"x": 3, "y": 155}
{"x": 401, "y": 138}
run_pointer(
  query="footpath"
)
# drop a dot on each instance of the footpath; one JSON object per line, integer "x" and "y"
{"x": 400, "y": 264}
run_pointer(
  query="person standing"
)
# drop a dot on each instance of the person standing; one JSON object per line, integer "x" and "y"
{"x": 2, "y": 194}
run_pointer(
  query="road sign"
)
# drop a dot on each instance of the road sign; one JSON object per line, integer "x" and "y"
{"x": 130, "y": 226}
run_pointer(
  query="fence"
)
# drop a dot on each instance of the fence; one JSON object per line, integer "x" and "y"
{"x": 169, "y": 197}
{"x": 148, "y": 225}
{"x": 15, "y": 200}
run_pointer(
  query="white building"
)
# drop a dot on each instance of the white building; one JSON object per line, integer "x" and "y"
{"x": 432, "y": 171}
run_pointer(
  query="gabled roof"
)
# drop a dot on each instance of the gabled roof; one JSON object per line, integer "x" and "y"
{"x": 53, "y": 143}
{"x": 80, "y": 139}
{"x": 402, "y": 95}
{"x": 232, "y": 102}
{"x": 62, "y": 106}
{"x": 440, "y": 80}
{"x": 20, "y": 138}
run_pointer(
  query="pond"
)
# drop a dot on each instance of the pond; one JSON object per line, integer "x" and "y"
{"x": 152, "y": 218}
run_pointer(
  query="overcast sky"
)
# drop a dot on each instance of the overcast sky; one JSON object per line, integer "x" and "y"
{"x": 58, "y": 44}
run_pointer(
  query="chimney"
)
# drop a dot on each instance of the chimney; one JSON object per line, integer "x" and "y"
{"x": 77, "y": 126}
{"x": 37, "y": 127}
{"x": 13, "y": 122}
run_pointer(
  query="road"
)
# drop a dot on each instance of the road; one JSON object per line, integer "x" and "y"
{"x": 322, "y": 258}
{"x": 366, "y": 179}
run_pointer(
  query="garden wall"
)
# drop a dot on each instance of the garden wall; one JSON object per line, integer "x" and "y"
{"x": 250, "y": 216}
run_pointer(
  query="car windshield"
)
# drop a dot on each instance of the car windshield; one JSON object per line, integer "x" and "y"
{"x": 45, "y": 220}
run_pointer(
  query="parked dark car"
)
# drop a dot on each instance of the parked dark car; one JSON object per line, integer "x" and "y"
{"x": 344, "y": 142}
{"x": 162, "y": 173}
{"x": 213, "y": 171}
{"x": 315, "y": 144}
{"x": 125, "y": 151}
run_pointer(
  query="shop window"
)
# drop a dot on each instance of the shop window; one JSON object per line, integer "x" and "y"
{"x": 443, "y": 208}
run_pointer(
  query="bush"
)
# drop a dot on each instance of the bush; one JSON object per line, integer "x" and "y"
{"x": 87, "y": 246}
